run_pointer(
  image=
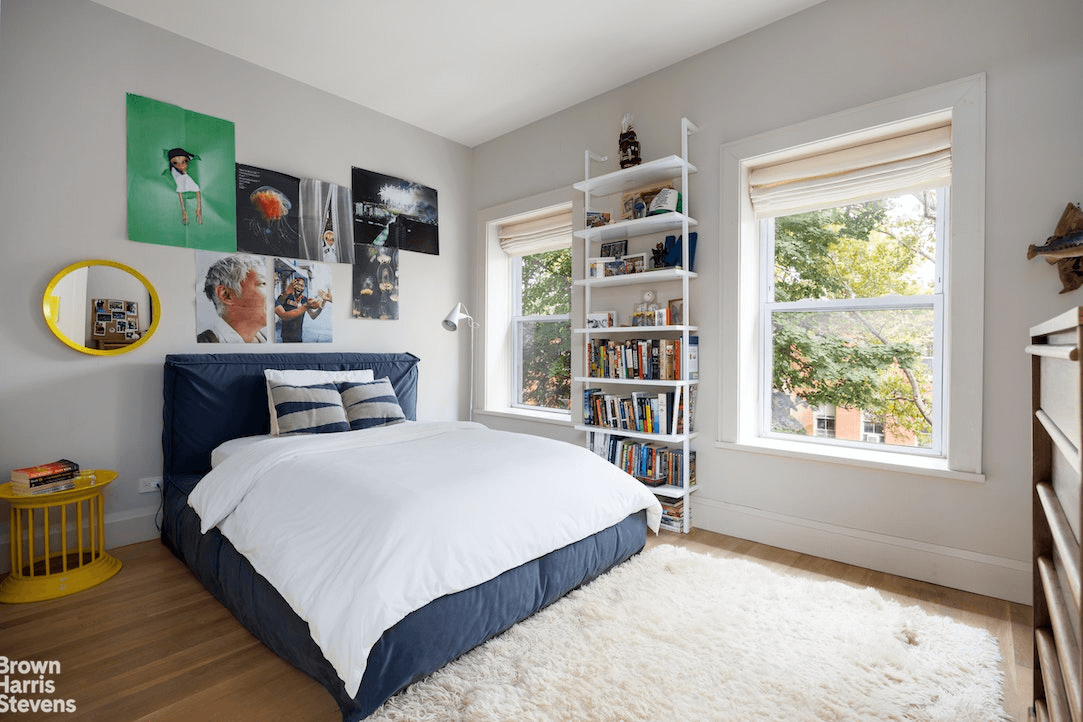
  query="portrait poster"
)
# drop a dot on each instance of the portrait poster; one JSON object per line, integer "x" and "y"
{"x": 180, "y": 177}
{"x": 268, "y": 212}
{"x": 303, "y": 297}
{"x": 326, "y": 222}
{"x": 376, "y": 281}
{"x": 233, "y": 298}
{"x": 403, "y": 212}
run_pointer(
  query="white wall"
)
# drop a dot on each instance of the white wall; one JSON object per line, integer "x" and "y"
{"x": 65, "y": 67}
{"x": 835, "y": 56}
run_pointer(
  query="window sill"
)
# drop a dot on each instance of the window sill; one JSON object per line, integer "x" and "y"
{"x": 861, "y": 458}
{"x": 545, "y": 417}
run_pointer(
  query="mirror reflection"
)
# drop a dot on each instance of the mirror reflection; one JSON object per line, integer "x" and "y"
{"x": 101, "y": 307}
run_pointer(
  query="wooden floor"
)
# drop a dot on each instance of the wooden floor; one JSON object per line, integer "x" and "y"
{"x": 152, "y": 644}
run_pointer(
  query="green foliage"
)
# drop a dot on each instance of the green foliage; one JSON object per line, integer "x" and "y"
{"x": 868, "y": 360}
{"x": 546, "y": 291}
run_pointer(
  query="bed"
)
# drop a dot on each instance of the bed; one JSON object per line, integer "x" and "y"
{"x": 211, "y": 399}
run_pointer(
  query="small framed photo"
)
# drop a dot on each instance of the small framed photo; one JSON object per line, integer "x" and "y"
{"x": 600, "y": 320}
{"x": 635, "y": 263}
{"x": 116, "y": 306}
{"x": 614, "y": 268}
{"x": 615, "y": 249}
{"x": 676, "y": 311}
{"x": 660, "y": 316}
{"x": 99, "y": 329}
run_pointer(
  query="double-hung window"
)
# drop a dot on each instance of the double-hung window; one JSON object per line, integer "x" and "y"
{"x": 858, "y": 283}
{"x": 538, "y": 247}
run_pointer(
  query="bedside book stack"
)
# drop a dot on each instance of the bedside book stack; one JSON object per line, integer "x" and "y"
{"x": 45, "y": 478}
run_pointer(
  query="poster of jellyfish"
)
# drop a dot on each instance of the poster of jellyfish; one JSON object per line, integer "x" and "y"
{"x": 376, "y": 281}
{"x": 303, "y": 295}
{"x": 268, "y": 212}
{"x": 180, "y": 177}
{"x": 388, "y": 209}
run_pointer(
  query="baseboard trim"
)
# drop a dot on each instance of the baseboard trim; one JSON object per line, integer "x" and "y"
{"x": 121, "y": 529}
{"x": 984, "y": 574}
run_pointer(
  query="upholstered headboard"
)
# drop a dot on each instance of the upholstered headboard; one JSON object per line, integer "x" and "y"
{"x": 212, "y": 398}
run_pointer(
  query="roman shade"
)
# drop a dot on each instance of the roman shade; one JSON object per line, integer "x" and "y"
{"x": 537, "y": 232}
{"x": 827, "y": 176}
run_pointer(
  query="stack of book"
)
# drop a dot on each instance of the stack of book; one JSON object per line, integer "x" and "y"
{"x": 45, "y": 478}
{"x": 672, "y": 513}
{"x": 642, "y": 411}
{"x": 652, "y": 464}
{"x": 641, "y": 358}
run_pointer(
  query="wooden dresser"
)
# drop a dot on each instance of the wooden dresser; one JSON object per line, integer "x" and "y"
{"x": 1055, "y": 348}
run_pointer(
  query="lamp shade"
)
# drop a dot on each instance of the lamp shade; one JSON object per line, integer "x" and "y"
{"x": 458, "y": 314}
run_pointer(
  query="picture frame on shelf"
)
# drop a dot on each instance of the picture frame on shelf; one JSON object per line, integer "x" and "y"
{"x": 675, "y": 307}
{"x": 605, "y": 319}
{"x": 614, "y": 249}
{"x": 635, "y": 262}
{"x": 635, "y": 202}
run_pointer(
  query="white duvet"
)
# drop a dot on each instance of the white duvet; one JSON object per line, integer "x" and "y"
{"x": 358, "y": 529}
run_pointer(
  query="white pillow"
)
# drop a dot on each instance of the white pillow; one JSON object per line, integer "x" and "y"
{"x": 307, "y": 377}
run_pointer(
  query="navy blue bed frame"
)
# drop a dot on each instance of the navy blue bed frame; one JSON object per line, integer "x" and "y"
{"x": 211, "y": 398}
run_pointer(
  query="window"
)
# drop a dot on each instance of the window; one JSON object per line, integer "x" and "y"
{"x": 527, "y": 307}
{"x": 853, "y": 309}
{"x": 852, "y": 261}
{"x": 542, "y": 329}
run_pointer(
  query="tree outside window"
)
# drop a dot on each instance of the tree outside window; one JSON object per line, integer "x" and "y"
{"x": 854, "y": 312}
{"x": 543, "y": 330}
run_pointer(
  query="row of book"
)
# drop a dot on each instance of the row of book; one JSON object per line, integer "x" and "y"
{"x": 647, "y": 412}
{"x": 652, "y": 359}
{"x": 653, "y": 464}
{"x": 55, "y": 476}
{"x": 673, "y": 511}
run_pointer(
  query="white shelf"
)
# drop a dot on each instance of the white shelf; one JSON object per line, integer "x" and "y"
{"x": 660, "y": 223}
{"x": 675, "y": 170}
{"x": 629, "y": 279}
{"x": 635, "y": 382}
{"x": 671, "y": 491}
{"x": 644, "y": 174}
{"x": 637, "y": 329}
{"x": 629, "y": 434}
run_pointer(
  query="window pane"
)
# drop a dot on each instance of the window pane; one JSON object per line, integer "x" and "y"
{"x": 546, "y": 283}
{"x": 867, "y": 250}
{"x": 863, "y": 376}
{"x": 546, "y": 364}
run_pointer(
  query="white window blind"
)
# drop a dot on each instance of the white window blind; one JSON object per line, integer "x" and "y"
{"x": 535, "y": 233}
{"x": 827, "y": 175}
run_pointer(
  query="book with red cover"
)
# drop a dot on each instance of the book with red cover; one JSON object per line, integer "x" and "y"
{"x": 60, "y": 469}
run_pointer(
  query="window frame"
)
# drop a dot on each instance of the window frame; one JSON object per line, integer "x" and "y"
{"x": 741, "y": 319}
{"x": 495, "y": 358}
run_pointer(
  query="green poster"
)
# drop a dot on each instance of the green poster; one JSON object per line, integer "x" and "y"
{"x": 181, "y": 177}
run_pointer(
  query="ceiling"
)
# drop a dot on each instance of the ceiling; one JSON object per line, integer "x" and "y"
{"x": 467, "y": 70}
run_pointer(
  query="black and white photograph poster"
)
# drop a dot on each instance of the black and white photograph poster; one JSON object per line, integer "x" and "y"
{"x": 396, "y": 212}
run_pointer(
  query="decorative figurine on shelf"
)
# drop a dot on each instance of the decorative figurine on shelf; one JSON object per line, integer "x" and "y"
{"x": 628, "y": 144}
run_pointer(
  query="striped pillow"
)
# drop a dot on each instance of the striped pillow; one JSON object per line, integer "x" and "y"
{"x": 370, "y": 404}
{"x": 307, "y": 377}
{"x": 310, "y": 409}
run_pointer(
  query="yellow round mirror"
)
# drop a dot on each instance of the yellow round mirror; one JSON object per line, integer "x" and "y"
{"x": 101, "y": 307}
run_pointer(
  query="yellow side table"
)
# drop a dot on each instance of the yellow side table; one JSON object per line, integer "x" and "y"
{"x": 80, "y": 562}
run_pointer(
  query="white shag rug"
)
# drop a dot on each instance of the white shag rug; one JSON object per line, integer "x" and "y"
{"x": 676, "y": 635}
